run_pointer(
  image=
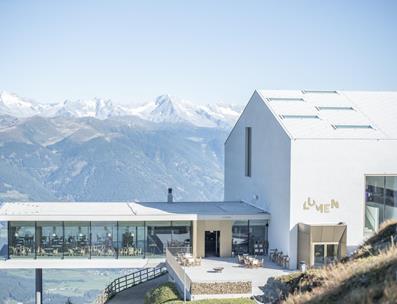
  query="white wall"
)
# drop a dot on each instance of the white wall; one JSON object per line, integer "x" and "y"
{"x": 270, "y": 176}
{"x": 336, "y": 169}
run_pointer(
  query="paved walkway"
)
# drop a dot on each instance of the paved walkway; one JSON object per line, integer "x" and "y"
{"x": 233, "y": 271}
{"x": 136, "y": 294}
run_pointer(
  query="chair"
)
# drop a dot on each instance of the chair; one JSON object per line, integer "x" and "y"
{"x": 197, "y": 261}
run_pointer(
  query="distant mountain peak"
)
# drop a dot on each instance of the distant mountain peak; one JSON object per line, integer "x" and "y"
{"x": 164, "y": 109}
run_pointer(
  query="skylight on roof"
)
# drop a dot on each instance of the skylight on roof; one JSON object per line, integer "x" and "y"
{"x": 352, "y": 127}
{"x": 284, "y": 99}
{"x": 299, "y": 117}
{"x": 320, "y": 108}
{"x": 318, "y": 92}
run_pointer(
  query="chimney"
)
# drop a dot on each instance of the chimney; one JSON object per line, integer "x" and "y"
{"x": 170, "y": 198}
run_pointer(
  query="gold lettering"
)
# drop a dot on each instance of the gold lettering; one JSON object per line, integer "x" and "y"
{"x": 334, "y": 204}
{"x": 320, "y": 207}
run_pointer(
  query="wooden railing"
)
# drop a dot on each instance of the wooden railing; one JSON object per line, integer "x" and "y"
{"x": 130, "y": 280}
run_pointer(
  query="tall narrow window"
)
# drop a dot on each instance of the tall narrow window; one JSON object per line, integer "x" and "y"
{"x": 248, "y": 150}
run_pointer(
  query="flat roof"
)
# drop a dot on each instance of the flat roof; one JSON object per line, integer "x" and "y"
{"x": 308, "y": 114}
{"x": 129, "y": 211}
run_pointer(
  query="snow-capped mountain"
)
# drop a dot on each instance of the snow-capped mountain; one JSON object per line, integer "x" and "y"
{"x": 94, "y": 150}
{"x": 13, "y": 105}
{"x": 173, "y": 110}
{"x": 164, "y": 109}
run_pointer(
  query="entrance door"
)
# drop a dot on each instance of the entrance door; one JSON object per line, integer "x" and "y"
{"x": 212, "y": 243}
{"x": 325, "y": 253}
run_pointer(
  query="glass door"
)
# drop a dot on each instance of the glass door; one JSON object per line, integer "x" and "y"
{"x": 324, "y": 253}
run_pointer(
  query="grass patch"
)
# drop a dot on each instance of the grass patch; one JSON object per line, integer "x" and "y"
{"x": 164, "y": 293}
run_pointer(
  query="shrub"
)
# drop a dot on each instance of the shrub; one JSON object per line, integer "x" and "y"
{"x": 162, "y": 294}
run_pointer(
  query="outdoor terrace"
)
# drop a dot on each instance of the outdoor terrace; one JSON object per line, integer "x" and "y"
{"x": 221, "y": 277}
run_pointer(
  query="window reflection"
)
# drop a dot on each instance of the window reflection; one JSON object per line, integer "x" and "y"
{"x": 250, "y": 237}
{"x": 3, "y": 240}
{"x": 131, "y": 239}
{"x": 181, "y": 234}
{"x": 22, "y": 239}
{"x": 381, "y": 201}
{"x": 95, "y": 239}
{"x": 104, "y": 239}
{"x": 50, "y": 239}
{"x": 77, "y": 239}
{"x": 240, "y": 237}
{"x": 258, "y": 237}
{"x": 159, "y": 235}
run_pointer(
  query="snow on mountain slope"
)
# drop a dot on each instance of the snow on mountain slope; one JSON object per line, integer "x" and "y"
{"x": 11, "y": 104}
{"x": 165, "y": 109}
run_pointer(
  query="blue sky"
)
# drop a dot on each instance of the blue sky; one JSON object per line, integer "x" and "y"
{"x": 204, "y": 51}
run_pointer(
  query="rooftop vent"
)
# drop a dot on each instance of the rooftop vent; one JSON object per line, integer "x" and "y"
{"x": 170, "y": 198}
{"x": 352, "y": 127}
{"x": 299, "y": 117}
{"x": 318, "y": 92}
{"x": 326, "y": 108}
{"x": 284, "y": 99}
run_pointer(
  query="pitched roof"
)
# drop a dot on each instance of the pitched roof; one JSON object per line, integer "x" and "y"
{"x": 334, "y": 114}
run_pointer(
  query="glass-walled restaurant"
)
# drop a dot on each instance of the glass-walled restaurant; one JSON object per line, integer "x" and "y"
{"x": 91, "y": 240}
{"x": 95, "y": 239}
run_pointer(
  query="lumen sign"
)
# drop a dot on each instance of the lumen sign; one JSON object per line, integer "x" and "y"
{"x": 320, "y": 207}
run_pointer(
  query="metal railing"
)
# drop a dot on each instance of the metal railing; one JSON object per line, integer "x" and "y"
{"x": 133, "y": 279}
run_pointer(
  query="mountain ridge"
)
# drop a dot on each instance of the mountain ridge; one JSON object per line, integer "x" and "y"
{"x": 164, "y": 109}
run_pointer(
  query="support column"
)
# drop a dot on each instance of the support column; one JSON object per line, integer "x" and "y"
{"x": 39, "y": 286}
{"x": 194, "y": 242}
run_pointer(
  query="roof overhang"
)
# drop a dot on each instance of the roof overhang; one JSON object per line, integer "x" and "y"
{"x": 117, "y": 211}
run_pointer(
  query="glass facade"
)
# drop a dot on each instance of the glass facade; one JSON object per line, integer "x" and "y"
{"x": 240, "y": 237}
{"x": 49, "y": 236}
{"x": 103, "y": 239}
{"x": 3, "y": 239}
{"x": 131, "y": 239}
{"x": 77, "y": 239}
{"x": 93, "y": 239}
{"x": 250, "y": 237}
{"x": 380, "y": 200}
{"x": 22, "y": 240}
{"x": 161, "y": 235}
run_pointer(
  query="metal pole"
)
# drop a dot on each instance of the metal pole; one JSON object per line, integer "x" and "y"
{"x": 39, "y": 286}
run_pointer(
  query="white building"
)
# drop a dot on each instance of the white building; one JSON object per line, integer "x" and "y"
{"x": 313, "y": 160}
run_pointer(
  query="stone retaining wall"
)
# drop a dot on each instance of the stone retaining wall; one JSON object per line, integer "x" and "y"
{"x": 197, "y": 288}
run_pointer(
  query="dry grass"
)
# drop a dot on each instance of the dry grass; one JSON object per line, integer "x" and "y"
{"x": 368, "y": 280}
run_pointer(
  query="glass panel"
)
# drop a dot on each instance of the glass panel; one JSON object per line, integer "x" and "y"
{"x": 103, "y": 239}
{"x": 4, "y": 240}
{"x": 374, "y": 191}
{"x": 391, "y": 197}
{"x": 258, "y": 243}
{"x": 240, "y": 237}
{"x": 332, "y": 253}
{"x": 319, "y": 254}
{"x": 22, "y": 239}
{"x": 181, "y": 234}
{"x": 77, "y": 239}
{"x": 49, "y": 236}
{"x": 131, "y": 239}
{"x": 159, "y": 236}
